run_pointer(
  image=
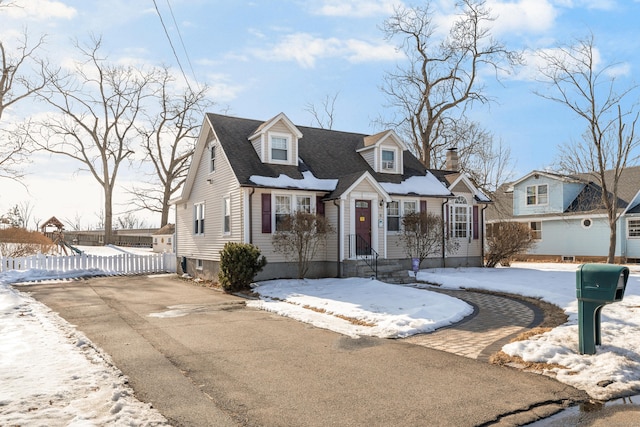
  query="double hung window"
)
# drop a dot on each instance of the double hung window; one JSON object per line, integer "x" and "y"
{"x": 279, "y": 148}
{"x": 537, "y": 194}
{"x": 198, "y": 218}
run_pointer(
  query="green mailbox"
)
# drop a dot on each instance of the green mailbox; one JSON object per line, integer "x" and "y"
{"x": 596, "y": 286}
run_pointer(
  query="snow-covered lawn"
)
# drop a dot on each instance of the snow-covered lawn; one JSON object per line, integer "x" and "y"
{"x": 51, "y": 374}
{"x": 399, "y": 311}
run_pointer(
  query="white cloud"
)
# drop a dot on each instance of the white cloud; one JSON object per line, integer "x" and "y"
{"x": 306, "y": 49}
{"x": 522, "y": 16}
{"x": 40, "y": 10}
{"x": 356, "y": 8}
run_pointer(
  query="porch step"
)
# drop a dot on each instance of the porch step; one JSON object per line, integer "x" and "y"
{"x": 390, "y": 271}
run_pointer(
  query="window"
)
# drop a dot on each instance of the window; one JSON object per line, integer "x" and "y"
{"x": 409, "y": 207}
{"x": 587, "y": 223}
{"x": 213, "y": 158}
{"x": 199, "y": 264}
{"x": 633, "y": 227}
{"x": 226, "y": 228}
{"x": 198, "y": 218}
{"x": 283, "y": 209}
{"x": 388, "y": 160}
{"x": 536, "y": 230}
{"x": 279, "y": 148}
{"x": 460, "y": 218}
{"x": 537, "y": 195}
{"x": 303, "y": 204}
{"x": 393, "y": 216}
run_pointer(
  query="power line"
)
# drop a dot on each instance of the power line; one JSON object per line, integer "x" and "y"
{"x": 166, "y": 32}
{"x": 184, "y": 48}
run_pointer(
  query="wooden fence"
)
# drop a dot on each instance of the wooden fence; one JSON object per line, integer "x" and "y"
{"x": 125, "y": 263}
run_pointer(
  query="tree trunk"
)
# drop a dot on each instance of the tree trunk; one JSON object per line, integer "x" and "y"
{"x": 611, "y": 258}
{"x": 164, "y": 215}
{"x": 108, "y": 215}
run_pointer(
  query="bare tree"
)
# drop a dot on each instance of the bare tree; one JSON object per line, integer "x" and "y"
{"x": 440, "y": 80}
{"x": 489, "y": 164}
{"x": 423, "y": 235}
{"x": 15, "y": 87}
{"x": 324, "y": 115}
{"x": 97, "y": 106}
{"x": 300, "y": 237}
{"x": 20, "y": 214}
{"x": 129, "y": 221}
{"x": 609, "y": 142}
{"x": 168, "y": 141}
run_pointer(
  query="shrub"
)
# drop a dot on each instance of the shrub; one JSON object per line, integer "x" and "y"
{"x": 506, "y": 239}
{"x": 423, "y": 234}
{"x": 18, "y": 242}
{"x": 299, "y": 238}
{"x": 239, "y": 264}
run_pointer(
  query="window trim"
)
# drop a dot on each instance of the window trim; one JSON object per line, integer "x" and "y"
{"x": 635, "y": 227}
{"x": 293, "y": 205}
{"x": 212, "y": 158}
{"x": 394, "y": 162}
{"x": 398, "y": 216}
{"x": 536, "y": 195}
{"x": 453, "y": 229}
{"x": 536, "y": 231}
{"x": 199, "y": 215}
{"x": 226, "y": 215}
{"x": 289, "y": 150}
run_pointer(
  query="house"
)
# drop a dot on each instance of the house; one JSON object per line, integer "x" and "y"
{"x": 567, "y": 217}
{"x": 247, "y": 175}
{"x": 163, "y": 239}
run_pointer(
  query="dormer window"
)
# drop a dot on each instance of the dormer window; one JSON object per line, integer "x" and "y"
{"x": 388, "y": 160}
{"x": 279, "y": 148}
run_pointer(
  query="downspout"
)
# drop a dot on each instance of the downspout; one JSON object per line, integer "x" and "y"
{"x": 338, "y": 239}
{"x": 482, "y": 235}
{"x": 444, "y": 233}
{"x": 253, "y": 190}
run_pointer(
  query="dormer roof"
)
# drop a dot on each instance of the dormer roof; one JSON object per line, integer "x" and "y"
{"x": 264, "y": 127}
{"x": 370, "y": 141}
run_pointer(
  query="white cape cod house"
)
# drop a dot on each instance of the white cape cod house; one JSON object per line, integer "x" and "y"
{"x": 246, "y": 175}
{"x": 567, "y": 216}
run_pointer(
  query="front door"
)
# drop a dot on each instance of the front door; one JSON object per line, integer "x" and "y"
{"x": 363, "y": 227}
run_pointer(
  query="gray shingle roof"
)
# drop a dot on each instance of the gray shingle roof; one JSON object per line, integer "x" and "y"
{"x": 328, "y": 154}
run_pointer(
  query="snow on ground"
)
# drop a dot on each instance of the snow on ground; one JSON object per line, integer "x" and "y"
{"x": 358, "y": 306}
{"x": 52, "y": 375}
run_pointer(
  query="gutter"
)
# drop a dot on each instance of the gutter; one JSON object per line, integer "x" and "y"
{"x": 444, "y": 232}
{"x": 250, "y": 213}
{"x": 338, "y": 238}
{"x": 482, "y": 235}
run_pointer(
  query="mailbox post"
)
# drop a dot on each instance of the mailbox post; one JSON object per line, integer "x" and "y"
{"x": 596, "y": 286}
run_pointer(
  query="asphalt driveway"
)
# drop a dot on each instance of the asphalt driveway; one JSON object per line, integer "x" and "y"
{"x": 213, "y": 362}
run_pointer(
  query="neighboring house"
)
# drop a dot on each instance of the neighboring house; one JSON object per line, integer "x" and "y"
{"x": 164, "y": 238}
{"x": 567, "y": 216}
{"x": 247, "y": 175}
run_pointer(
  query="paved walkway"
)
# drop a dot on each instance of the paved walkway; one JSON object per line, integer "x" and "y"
{"x": 495, "y": 320}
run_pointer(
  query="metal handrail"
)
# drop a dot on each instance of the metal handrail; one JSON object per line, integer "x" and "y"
{"x": 364, "y": 251}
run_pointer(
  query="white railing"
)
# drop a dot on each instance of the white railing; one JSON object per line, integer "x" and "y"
{"x": 125, "y": 263}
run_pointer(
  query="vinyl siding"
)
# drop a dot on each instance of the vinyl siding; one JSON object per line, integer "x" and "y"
{"x": 369, "y": 157}
{"x": 264, "y": 240}
{"x": 395, "y": 247}
{"x": 224, "y": 184}
{"x": 555, "y": 196}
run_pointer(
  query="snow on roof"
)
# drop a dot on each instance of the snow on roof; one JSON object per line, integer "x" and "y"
{"x": 424, "y": 185}
{"x": 308, "y": 182}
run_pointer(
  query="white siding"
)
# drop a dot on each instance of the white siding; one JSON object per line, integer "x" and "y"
{"x": 223, "y": 184}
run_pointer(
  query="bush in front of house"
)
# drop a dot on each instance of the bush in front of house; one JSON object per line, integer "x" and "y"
{"x": 239, "y": 264}
{"x": 506, "y": 239}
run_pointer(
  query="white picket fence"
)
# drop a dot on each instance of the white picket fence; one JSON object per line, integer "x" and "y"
{"x": 125, "y": 263}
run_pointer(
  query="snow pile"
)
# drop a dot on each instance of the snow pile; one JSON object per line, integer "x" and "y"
{"x": 53, "y": 375}
{"x": 614, "y": 371}
{"x": 308, "y": 182}
{"x": 358, "y": 306}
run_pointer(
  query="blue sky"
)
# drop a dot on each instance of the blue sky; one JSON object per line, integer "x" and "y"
{"x": 261, "y": 58}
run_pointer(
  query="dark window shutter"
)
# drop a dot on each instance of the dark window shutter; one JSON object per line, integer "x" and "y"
{"x": 423, "y": 206}
{"x": 475, "y": 223}
{"x": 319, "y": 206}
{"x": 266, "y": 213}
{"x": 446, "y": 220}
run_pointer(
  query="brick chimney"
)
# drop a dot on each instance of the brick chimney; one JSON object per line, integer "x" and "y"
{"x": 452, "y": 160}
